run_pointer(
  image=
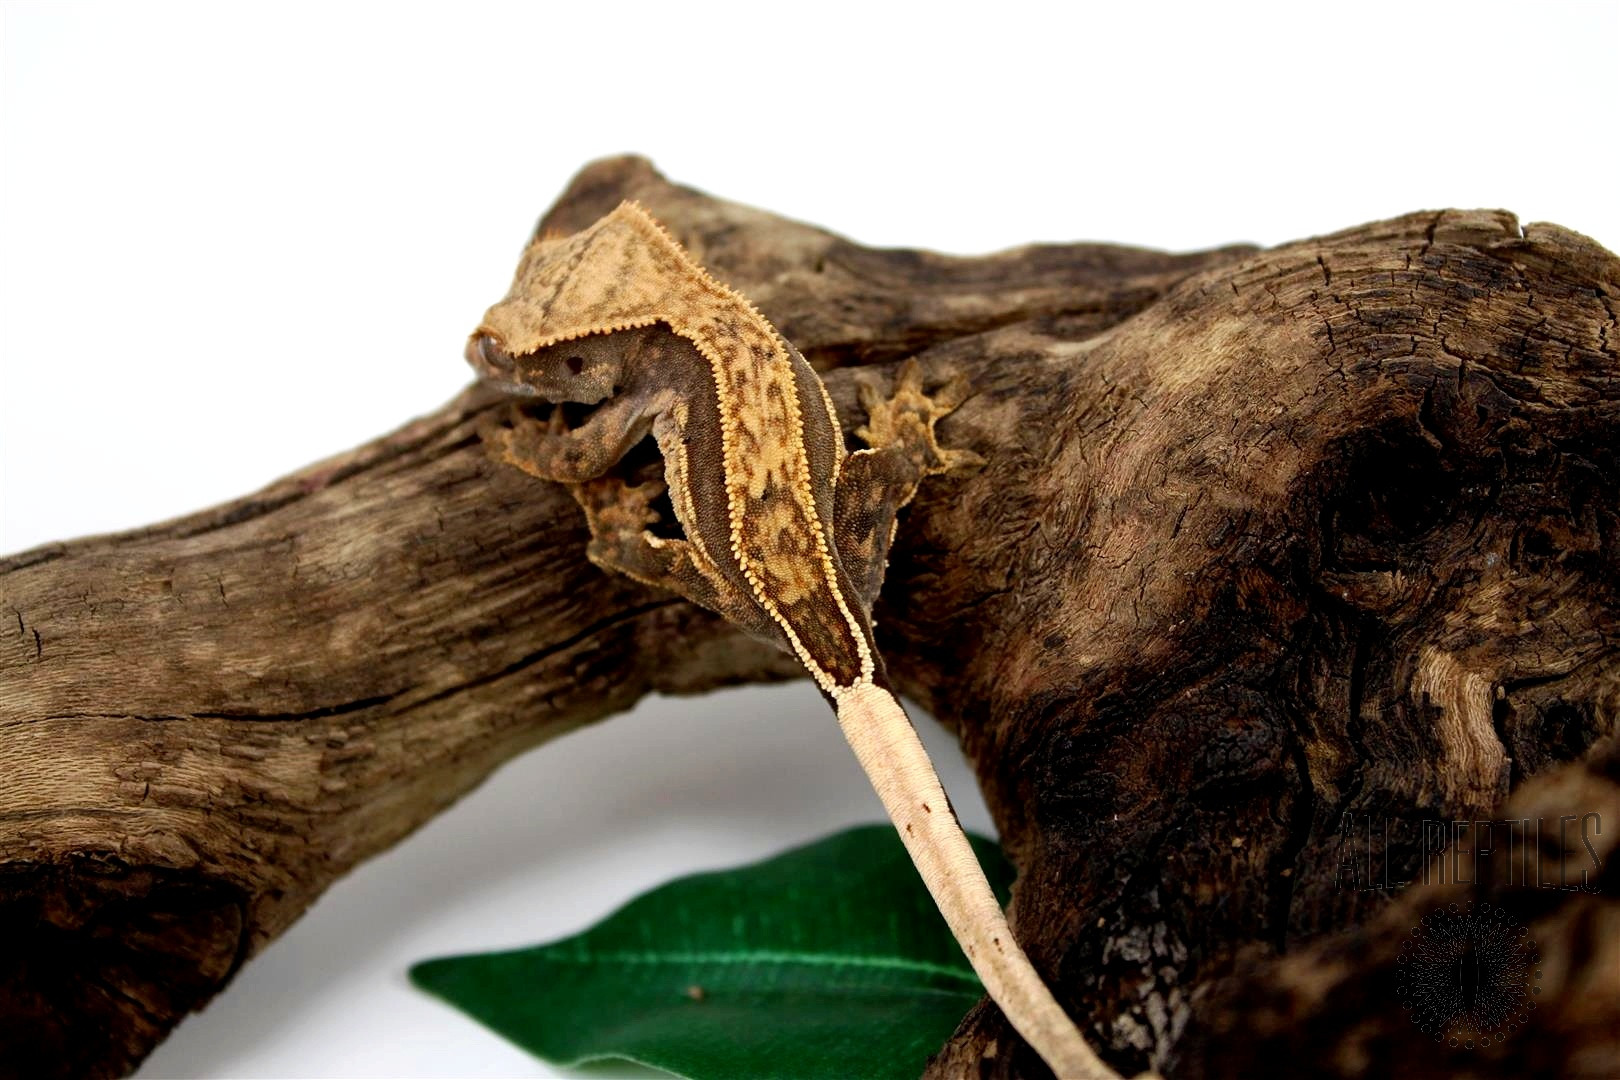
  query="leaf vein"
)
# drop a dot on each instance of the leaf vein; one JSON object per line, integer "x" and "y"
{"x": 855, "y": 960}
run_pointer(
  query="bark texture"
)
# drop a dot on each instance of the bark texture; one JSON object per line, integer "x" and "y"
{"x": 1266, "y": 538}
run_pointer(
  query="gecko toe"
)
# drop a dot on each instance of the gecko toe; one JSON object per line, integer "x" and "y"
{"x": 952, "y": 394}
{"x": 871, "y": 397}
{"x": 909, "y": 379}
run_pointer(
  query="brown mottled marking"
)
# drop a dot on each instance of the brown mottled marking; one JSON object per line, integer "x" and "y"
{"x": 786, "y": 535}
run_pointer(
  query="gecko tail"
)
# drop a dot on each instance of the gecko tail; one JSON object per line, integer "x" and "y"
{"x": 895, "y": 761}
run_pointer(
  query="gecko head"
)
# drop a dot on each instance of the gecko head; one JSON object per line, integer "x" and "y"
{"x": 585, "y": 370}
{"x": 577, "y": 306}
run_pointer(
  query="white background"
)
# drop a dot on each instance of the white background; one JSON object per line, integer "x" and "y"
{"x": 240, "y": 237}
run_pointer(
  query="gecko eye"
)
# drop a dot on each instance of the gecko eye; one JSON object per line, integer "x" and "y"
{"x": 486, "y": 356}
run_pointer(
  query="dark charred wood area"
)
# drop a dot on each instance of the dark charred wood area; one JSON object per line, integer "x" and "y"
{"x": 1267, "y": 542}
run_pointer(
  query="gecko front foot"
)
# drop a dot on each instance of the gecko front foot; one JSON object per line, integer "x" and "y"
{"x": 515, "y": 436}
{"x": 565, "y": 449}
{"x": 905, "y": 420}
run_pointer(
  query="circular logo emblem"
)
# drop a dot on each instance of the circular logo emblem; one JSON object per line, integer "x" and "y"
{"x": 1469, "y": 975}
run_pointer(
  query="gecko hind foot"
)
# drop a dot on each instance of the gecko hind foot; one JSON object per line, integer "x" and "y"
{"x": 877, "y": 482}
{"x": 905, "y": 419}
{"x": 620, "y": 513}
{"x": 623, "y": 518}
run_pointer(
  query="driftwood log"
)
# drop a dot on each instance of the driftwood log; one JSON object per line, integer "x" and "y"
{"x": 1266, "y": 538}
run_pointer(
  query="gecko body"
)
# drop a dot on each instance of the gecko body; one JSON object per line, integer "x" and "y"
{"x": 785, "y": 534}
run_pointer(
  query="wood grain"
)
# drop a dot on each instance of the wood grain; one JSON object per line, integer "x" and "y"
{"x": 1265, "y": 538}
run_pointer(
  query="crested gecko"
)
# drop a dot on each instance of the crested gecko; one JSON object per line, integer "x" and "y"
{"x": 786, "y": 535}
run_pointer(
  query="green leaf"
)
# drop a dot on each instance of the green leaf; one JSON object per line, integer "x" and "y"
{"x": 827, "y": 961}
